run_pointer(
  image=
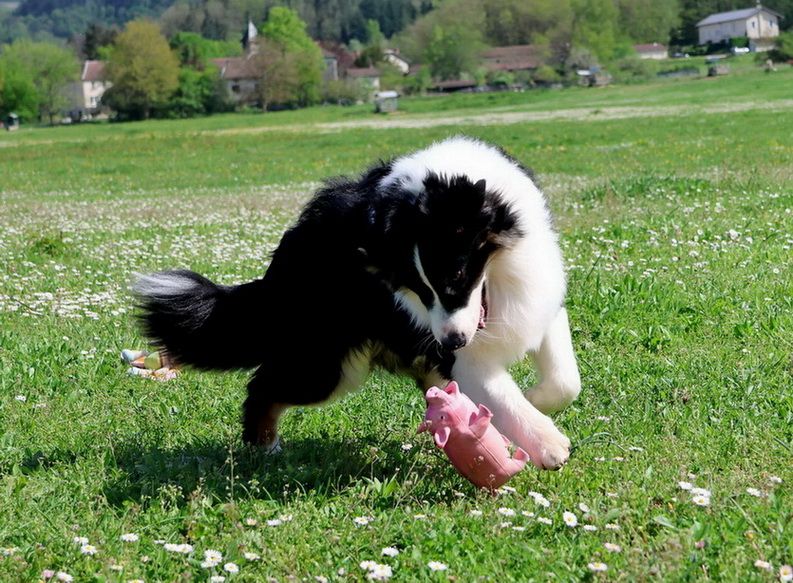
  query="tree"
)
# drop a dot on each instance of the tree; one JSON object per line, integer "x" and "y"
{"x": 97, "y": 37}
{"x": 37, "y": 77}
{"x": 299, "y": 59}
{"x": 595, "y": 27}
{"x": 648, "y": 20}
{"x": 143, "y": 70}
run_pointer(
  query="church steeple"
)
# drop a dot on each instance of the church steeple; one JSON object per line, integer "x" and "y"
{"x": 249, "y": 38}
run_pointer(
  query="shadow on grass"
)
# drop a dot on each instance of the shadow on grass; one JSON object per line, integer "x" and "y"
{"x": 323, "y": 467}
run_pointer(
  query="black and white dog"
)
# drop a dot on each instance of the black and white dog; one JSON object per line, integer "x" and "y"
{"x": 443, "y": 264}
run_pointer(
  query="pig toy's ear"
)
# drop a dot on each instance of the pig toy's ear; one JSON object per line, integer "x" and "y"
{"x": 480, "y": 420}
{"x": 442, "y": 436}
{"x": 452, "y": 388}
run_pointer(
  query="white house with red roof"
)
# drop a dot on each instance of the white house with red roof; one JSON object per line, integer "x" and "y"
{"x": 655, "y": 51}
{"x": 88, "y": 91}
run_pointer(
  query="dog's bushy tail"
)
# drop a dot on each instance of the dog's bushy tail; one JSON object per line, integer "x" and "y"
{"x": 200, "y": 323}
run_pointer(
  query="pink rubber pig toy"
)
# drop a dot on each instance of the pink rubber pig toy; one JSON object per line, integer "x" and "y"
{"x": 476, "y": 449}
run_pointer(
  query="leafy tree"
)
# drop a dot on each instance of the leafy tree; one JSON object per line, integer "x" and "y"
{"x": 96, "y": 37}
{"x": 37, "y": 77}
{"x": 595, "y": 27}
{"x": 373, "y": 52}
{"x": 143, "y": 70}
{"x": 299, "y": 58}
{"x": 199, "y": 93}
{"x": 194, "y": 50}
{"x": 648, "y": 20}
{"x": 448, "y": 39}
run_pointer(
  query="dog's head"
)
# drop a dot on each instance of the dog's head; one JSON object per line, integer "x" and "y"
{"x": 461, "y": 225}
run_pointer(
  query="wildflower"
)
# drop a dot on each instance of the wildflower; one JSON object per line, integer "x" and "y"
{"x": 635, "y": 448}
{"x": 612, "y": 547}
{"x": 89, "y": 550}
{"x": 475, "y": 513}
{"x": 505, "y": 524}
{"x": 129, "y": 537}
{"x": 764, "y": 565}
{"x": 217, "y": 579}
{"x": 570, "y": 519}
{"x": 47, "y": 574}
{"x": 519, "y": 528}
{"x": 598, "y": 567}
{"x": 419, "y": 516}
{"x": 80, "y": 540}
{"x": 362, "y": 520}
{"x": 590, "y": 527}
{"x": 251, "y": 522}
{"x": 604, "y": 418}
{"x": 527, "y": 514}
{"x": 612, "y": 526}
{"x": 539, "y": 499}
{"x": 158, "y": 541}
{"x": 506, "y": 511}
{"x": 583, "y": 508}
{"x": 437, "y": 566}
{"x": 183, "y": 548}
{"x": 135, "y": 581}
{"x": 390, "y": 552}
{"x": 231, "y": 568}
{"x": 701, "y": 500}
{"x": 544, "y": 520}
{"x": 251, "y": 556}
{"x": 320, "y": 579}
{"x": 775, "y": 479}
{"x": 275, "y": 522}
{"x": 286, "y": 518}
{"x": 63, "y": 576}
{"x": 685, "y": 485}
{"x": 507, "y": 490}
{"x": 701, "y": 492}
{"x": 21, "y": 398}
{"x": 407, "y": 446}
{"x": 786, "y": 573}
{"x": 733, "y": 234}
{"x": 367, "y": 565}
{"x": 116, "y": 568}
{"x": 379, "y": 572}
{"x": 754, "y": 492}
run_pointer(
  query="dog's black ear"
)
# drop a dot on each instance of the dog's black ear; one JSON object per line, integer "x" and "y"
{"x": 480, "y": 186}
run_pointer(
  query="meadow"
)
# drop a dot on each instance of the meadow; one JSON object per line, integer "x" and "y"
{"x": 674, "y": 203}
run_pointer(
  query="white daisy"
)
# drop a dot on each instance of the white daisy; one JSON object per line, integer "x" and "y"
{"x": 475, "y": 513}
{"x": 251, "y": 522}
{"x": 570, "y": 519}
{"x": 598, "y": 567}
{"x": 685, "y": 485}
{"x": 275, "y": 522}
{"x": 612, "y": 547}
{"x": 217, "y": 579}
{"x": 367, "y": 565}
{"x": 775, "y": 479}
{"x": 80, "y": 540}
{"x": 379, "y": 572}
{"x": 362, "y": 520}
{"x": 231, "y": 568}
{"x": 590, "y": 527}
{"x": 764, "y": 565}
{"x": 21, "y": 398}
{"x": 506, "y": 511}
{"x": 507, "y": 490}
{"x": 129, "y": 537}
{"x": 212, "y": 557}
{"x": 701, "y": 500}
{"x": 390, "y": 552}
{"x": 786, "y": 573}
{"x": 544, "y": 520}
{"x": 583, "y": 508}
{"x": 612, "y": 526}
{"x": 419, "y": 516}
{"x": 64, "y": 576}
{"x": 407, "y": 446}
{"x": 701, "y": 492}
{"x": 437, "y": 566}
{"x": 754, "y": 492}
{"x": 89, "y": 550}
{"x": 527, "y": 514}
{"x": 251, "y": 556}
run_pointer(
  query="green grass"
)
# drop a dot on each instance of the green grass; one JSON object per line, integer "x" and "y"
{"x": 677, "y": 233}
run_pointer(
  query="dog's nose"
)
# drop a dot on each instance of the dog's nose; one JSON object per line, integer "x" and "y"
{"x": 453, "y": 341}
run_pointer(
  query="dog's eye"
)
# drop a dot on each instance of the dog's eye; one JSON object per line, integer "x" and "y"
{"x": 459, "y": 231}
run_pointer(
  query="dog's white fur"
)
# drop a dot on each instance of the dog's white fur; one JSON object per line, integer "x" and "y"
{"x": 525, "y": 288}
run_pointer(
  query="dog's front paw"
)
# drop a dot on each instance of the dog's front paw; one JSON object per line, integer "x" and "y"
{"x": 547, "y": 447}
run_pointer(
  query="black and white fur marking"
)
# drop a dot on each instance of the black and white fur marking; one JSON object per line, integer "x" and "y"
{"x": 442, "y": 264}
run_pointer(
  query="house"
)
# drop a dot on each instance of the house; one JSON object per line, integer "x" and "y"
{"x": 368, "y": 77}
{"x": 88, "y": 91}
{"x": 655, "y": 51}
{"x": 513, "y": 59}
{"x": 337, "y": 60}
{"x": 393, "y": 57}
{"x": 241, "y": 75}
{"x": 757, "y": 24}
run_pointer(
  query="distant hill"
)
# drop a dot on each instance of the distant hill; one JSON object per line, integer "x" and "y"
{"x": 337, "y": 20}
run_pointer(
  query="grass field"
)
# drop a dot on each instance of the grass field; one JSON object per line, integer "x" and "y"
{"x": 675, "y": 206}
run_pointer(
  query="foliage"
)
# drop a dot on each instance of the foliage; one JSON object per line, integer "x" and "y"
{"x": 143, "y": 70}
{"x": 448, "y": 40}
{"x": 372, "y": 52}
{"x": 298, "y": 60}
{"x": 195, "y": 51}
{"x": 343, "y": 92}
{"x": 200, "y": 92}
{"x": 17, "y": 91}
{"x": 546, "y": 75}
{"x": 783, "y": 48}
{"x": 97, "y": 37}
{"x": 647, "y": 21}
{"x": 38, "y": 73}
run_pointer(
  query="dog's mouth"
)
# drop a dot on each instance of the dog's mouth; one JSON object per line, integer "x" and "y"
{"x": 483, "y": 309}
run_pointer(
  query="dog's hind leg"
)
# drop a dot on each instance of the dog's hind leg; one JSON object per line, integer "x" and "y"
{"x": 559, "y": 382}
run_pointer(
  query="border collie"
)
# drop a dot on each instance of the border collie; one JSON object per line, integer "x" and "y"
{"x": 443, "y": 264}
